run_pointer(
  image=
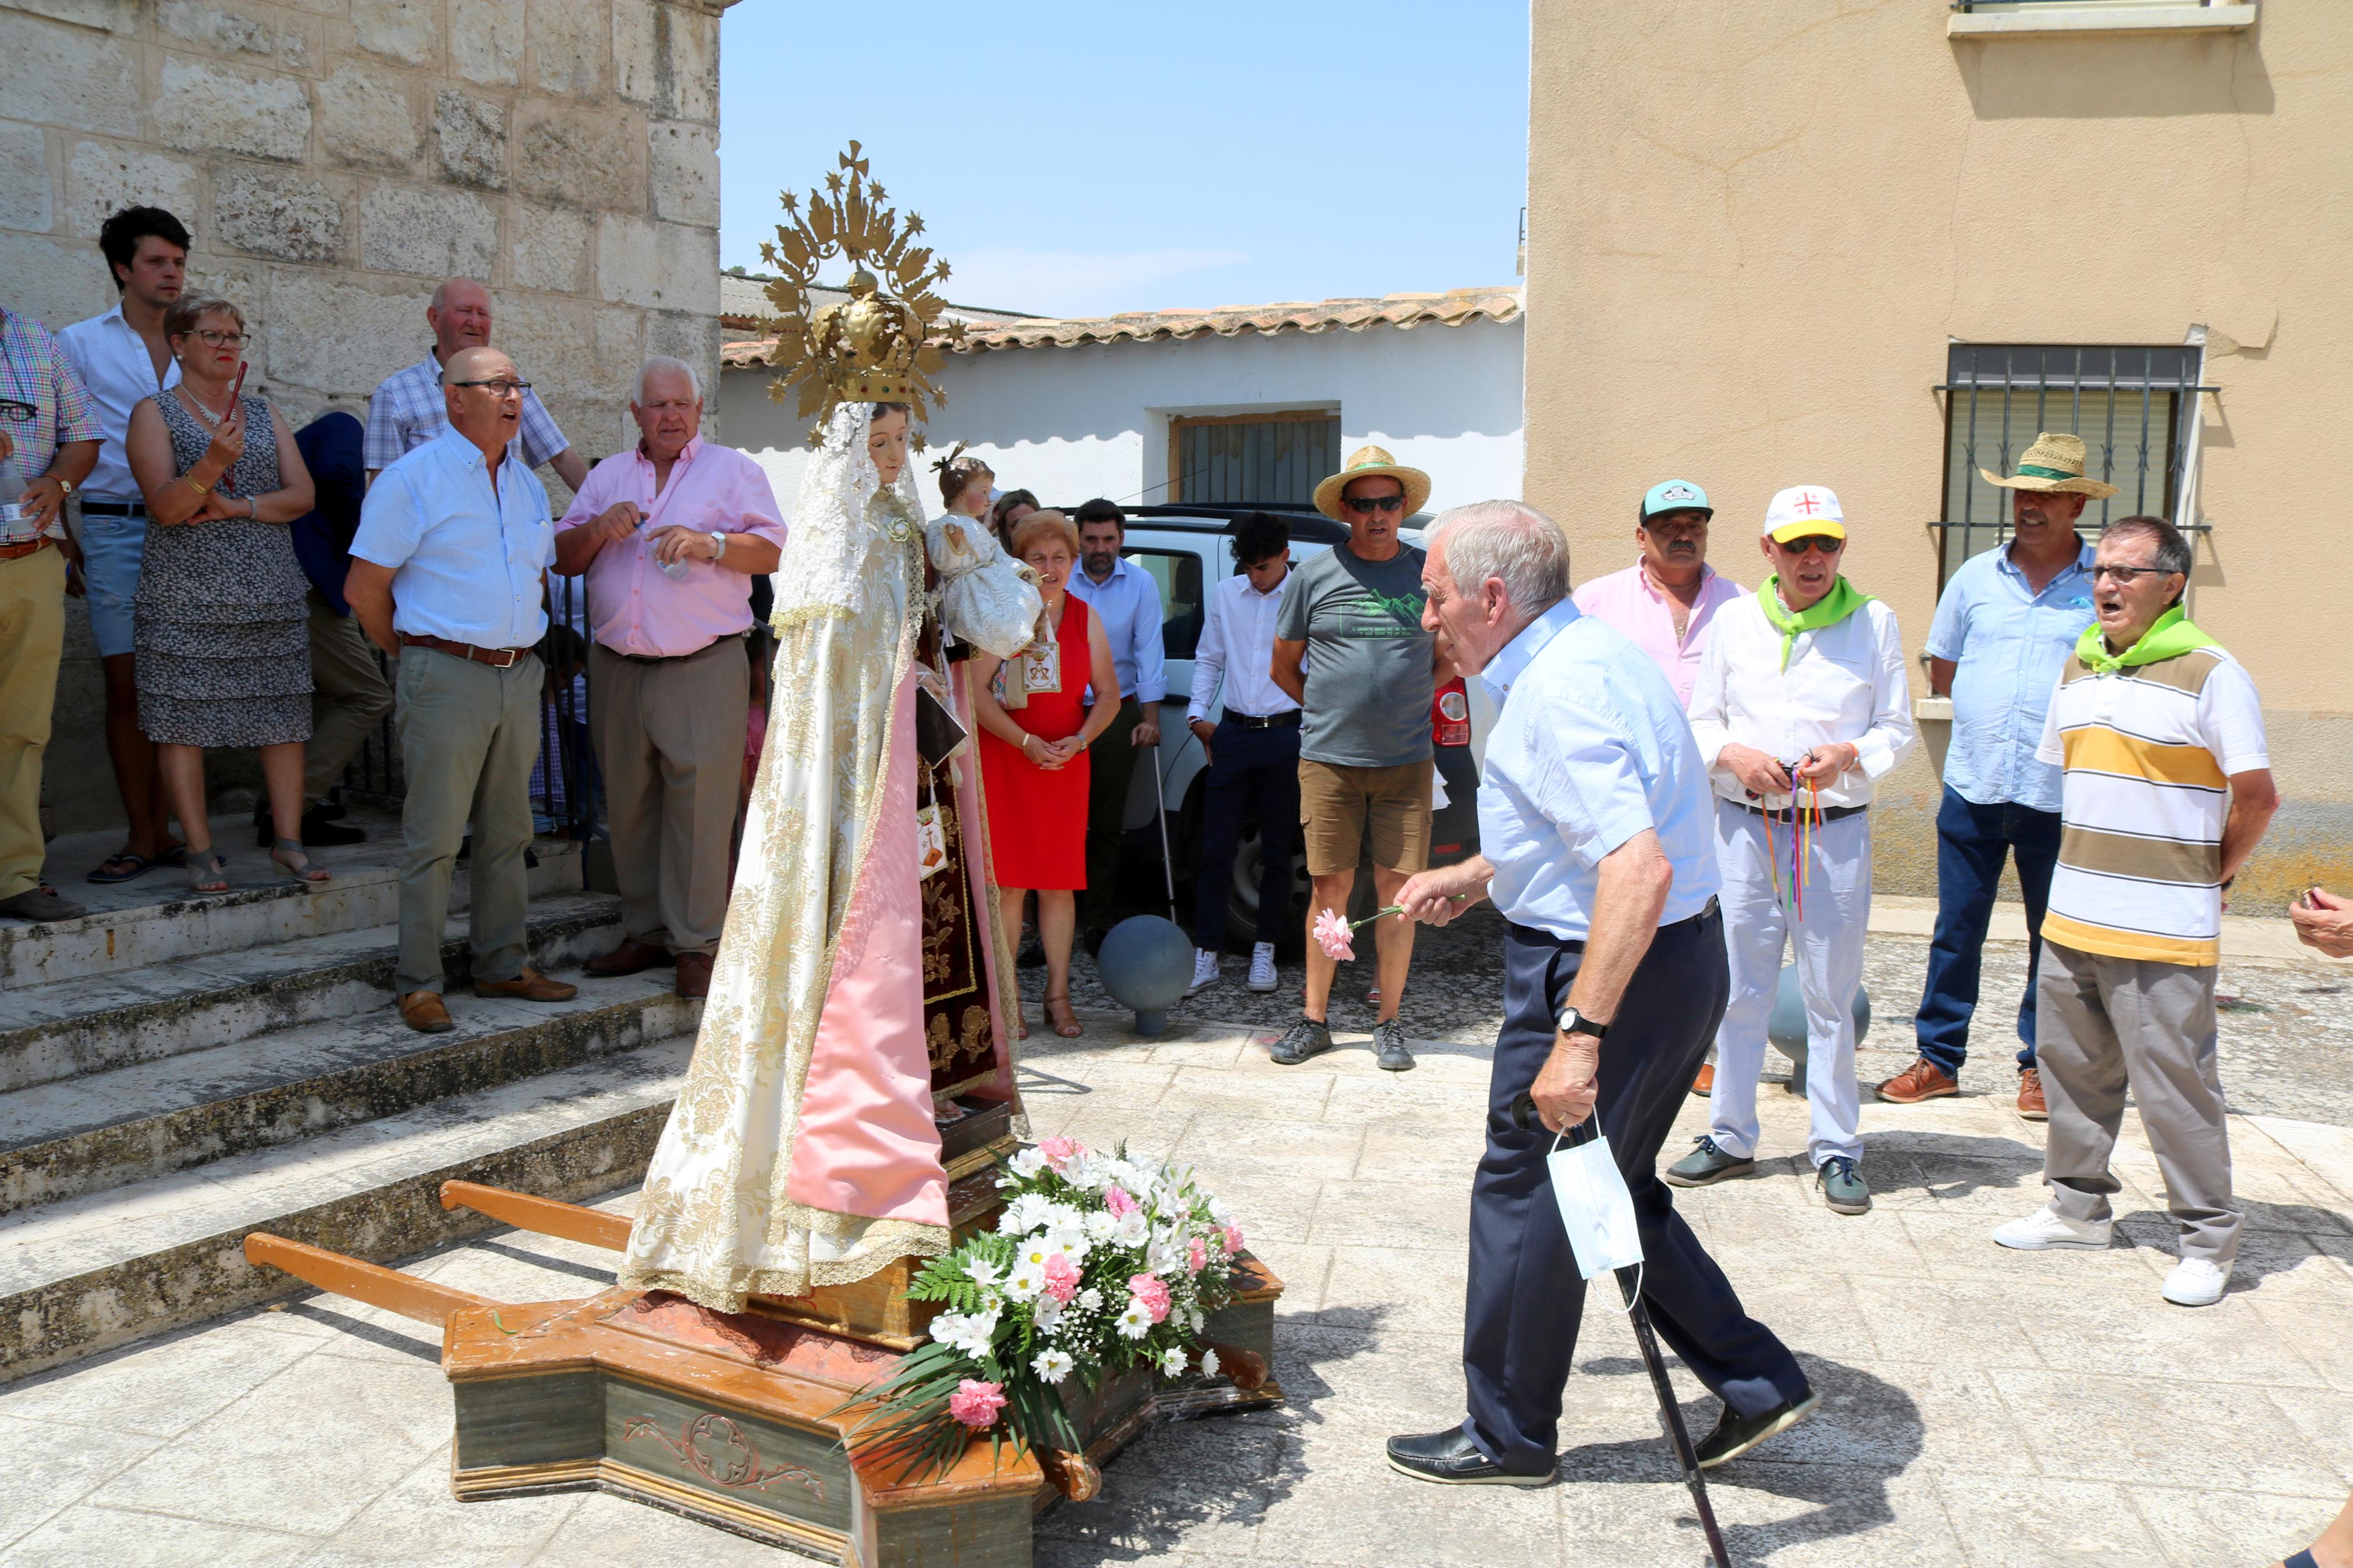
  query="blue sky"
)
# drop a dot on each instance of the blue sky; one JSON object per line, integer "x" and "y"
{"x": 1082, "y": 159}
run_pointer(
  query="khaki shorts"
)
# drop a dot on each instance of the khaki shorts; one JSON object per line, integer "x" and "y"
{"x": 1337, "y": 803}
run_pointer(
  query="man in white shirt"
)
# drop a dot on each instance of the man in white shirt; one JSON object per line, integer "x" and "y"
{"x": 1252, "y": 749}
{"x": 1801, "y": 706}
{"x": 406, "y": 409}
{"x": 123, "y": 358}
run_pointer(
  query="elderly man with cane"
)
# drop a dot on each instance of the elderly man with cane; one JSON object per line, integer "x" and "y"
{"x": 1594, "y": 819}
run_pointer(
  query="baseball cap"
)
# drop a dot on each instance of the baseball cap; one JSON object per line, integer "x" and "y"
{"x": 1675, "y": 495}
{"x": 1803, "y": 511}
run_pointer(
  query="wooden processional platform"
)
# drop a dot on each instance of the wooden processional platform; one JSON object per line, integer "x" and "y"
{"x": 729, "y": 1417}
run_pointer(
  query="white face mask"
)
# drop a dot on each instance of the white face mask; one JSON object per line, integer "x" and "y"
{"x": 1595, "y": 1206}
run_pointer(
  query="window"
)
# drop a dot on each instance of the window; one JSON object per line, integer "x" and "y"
{"x": 1243, "y": 457}
{"x": 2135, "y": 409}
{"x": 1178, "y": 575}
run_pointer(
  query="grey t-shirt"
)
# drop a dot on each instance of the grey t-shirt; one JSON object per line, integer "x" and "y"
{"x": 1368, "y": 676}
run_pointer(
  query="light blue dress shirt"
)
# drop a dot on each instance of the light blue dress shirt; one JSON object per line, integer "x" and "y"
{"x": 1129, "y": 607}
{"x": 466, "y": 559}
{"x": 2009, "y": 643}
{"x": 1591, "y": 747}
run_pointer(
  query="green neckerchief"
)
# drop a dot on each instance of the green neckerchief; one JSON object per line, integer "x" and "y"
{"x": 2168, "y": 637}
{"x": 1829, "y": 610}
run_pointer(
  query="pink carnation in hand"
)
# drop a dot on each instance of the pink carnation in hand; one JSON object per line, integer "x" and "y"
{"x": 1117, "y": 1202}
{"x": 1062, "y": 1276}
{"x": 1151, "y": 1294}
{"x": 1060, "y": 1151}
{"x": 1197, "y": 1256}
{"x": 1332, "y": 934}
{"x": 975, "y": 1404}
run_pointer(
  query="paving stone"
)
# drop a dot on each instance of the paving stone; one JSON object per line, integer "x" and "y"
{"x": 139, "y": 1538}
{"x": 2197, "y": 1528}
{"x": 417, "y": 1521}
{"x": 2045, "y": 1523}
{"x": 158, "y": 1389}
{"x": 47, "y": 1475}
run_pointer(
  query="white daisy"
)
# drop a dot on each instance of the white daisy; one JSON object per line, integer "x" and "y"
{"x": 1135, "y": 1323}
{"x": 1174, "y": 1360}
{"x": 1026, "y": 1281}
{"x": 1052, "y": 1366}
{"x": 1099, "y": 1224}
{"x": 1209, "y": 1363}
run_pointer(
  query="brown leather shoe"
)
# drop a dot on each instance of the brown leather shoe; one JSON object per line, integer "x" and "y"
{"x": 630, "y": 958}
{"x": 423, "y": 1012}
{"x": 531, "y": 985}
{"x": 1923, "y": 1080}
{"x": 1705, "y": 1084}
{"x": 2030, "y": 1104}
{"x": 695, "y": 975}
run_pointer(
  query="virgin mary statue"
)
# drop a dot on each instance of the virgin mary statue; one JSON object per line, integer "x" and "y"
{"x": 858, "y": 994}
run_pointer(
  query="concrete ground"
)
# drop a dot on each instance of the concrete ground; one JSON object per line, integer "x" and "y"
{"x": 1982, "y": 1407}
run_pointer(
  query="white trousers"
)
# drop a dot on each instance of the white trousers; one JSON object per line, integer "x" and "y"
{"x": 1829, "y": 941}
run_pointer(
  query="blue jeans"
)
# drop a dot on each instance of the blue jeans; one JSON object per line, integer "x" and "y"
{"x": 1971, "y": 842}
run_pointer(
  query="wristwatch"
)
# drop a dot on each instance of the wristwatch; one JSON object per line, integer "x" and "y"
{"x": 65, "y": 486}
{"x": 719, "y": 542}
{"x": 1573, "y": 1021}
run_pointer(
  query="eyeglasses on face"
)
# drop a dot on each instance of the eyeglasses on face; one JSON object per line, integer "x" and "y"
{"x": 2125, "y": 575}
{"x": 1821, "y": 541}
{"x": 212, "y": 337}
{"x": 1365, "y": 506}
{"x": 17, "y": 413}
{"x": 497, "y": 388}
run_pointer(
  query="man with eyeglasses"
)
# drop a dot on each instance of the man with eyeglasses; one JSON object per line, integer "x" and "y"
{"x": 1350, "y": 651}
{"x": 449, "y": 575}
{"x": 2005, "y": 624}
{"x": 1801, "y": 707}
{"x": 405, "y": 410}
{"x": 2167, "y": 789}
{"x": 49, "y": 434}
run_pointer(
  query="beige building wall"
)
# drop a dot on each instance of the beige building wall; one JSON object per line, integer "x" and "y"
{"x": 1753, "y": 229}
{"x": 334, "y": 159}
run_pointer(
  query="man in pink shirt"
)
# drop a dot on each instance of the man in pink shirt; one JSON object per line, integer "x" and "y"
{"x": 670, "y": 534}
{"x": 1667, "y": 600}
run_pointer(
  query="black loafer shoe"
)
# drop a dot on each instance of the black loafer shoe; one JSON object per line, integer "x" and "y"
{"x": 1736, "y": 1434}
{"x": 1451, "y": 1458}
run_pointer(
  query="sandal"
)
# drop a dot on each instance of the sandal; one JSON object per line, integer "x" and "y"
{"x": 1067, "y": 1024}
{"x": 208, "y": 871}
{"x": 294, "y": 866}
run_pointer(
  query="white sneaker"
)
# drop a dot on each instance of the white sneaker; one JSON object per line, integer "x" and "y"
{"x": 2194, "y": 1282}
{"x": 1205, "y": 970}
{"x": 2046, "y": 1228}
{"x": 1262, "y": 974}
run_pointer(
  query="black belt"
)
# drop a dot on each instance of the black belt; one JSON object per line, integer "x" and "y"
{"x": 1262, "y": 720}
{"x": 1784, "y": 814}
{"x": 114, "y": 509}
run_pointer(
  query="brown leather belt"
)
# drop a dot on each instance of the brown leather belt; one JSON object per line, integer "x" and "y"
{"x": 18, "y": 551}
{"x": 496, "y": 657}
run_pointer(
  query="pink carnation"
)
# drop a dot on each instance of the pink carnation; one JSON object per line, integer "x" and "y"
{"x": 1116, "y": 1200}
{"x": 1062, "y": 1276}
{"x": 1333, "y": 934}
{"x": 1060, "y": 1151}
{"x": 1197, "y": 1256}
{"x": 975, "y": 1404}
{"x": 1150, "y": 1294}
{"x": 1233, "y": 1240}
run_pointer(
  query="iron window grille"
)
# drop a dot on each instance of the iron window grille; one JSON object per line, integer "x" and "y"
{"x": 1244, "y": 457}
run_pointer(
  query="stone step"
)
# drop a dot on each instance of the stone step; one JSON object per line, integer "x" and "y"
{"x": 105, "y": 1129}
{"x": 84, "y": 1274}
{"x": 88, "y": 1024}
{"x": 132, "y": 925}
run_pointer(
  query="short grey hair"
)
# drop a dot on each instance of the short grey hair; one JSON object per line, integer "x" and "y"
{"x": 2173, "y": 552}
{"x": 663, "y": 362}
{"x": 1505, "y": 539}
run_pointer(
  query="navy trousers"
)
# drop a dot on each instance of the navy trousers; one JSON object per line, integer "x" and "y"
{"x": 1971, "y": 842}
{"x": 1249, "y": 771}
{"x": 1524, "y": 1301}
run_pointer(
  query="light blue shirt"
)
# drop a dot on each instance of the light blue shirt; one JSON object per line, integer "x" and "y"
{"x": 1129, "y": 607}
{"x": 466, "y": 559}
{"x": 2009, "y": 643}
{"x": 1591, "y": 748}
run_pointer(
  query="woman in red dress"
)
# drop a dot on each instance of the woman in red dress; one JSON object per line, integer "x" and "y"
{"x": 1033, "y": 755}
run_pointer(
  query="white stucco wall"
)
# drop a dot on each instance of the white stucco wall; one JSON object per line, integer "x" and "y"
{"x": 1072, "y": 423}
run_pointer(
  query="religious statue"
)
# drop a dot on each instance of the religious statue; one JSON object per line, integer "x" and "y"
{"x": 860, "y": 1000}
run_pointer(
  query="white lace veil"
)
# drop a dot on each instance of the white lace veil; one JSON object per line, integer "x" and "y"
{"x": 835, "y": 526}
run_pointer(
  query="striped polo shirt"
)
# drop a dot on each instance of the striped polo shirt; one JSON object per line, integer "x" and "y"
{"x": 2148, "y": 751}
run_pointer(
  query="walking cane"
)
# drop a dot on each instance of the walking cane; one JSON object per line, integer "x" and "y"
{"x": 1160, "y": 817}
{"x": 1671, "y": 1415}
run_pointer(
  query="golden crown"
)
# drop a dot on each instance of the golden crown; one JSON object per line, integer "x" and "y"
{"x": 876, "y": 346}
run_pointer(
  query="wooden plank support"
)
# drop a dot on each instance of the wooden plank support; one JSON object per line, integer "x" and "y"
{"x": 540, "y": 1217}
{"x": 387, "y": 1288}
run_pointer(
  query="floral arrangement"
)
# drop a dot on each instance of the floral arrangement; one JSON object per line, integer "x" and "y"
{"x": 1100, "y": 1263}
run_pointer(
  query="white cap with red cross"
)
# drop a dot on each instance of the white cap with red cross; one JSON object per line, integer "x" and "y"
{"x": 1802, "y": 511}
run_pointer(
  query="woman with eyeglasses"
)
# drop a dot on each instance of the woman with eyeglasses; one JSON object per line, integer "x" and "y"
{"x": 220, "y": 619}
{"x": 1800, "y": 705}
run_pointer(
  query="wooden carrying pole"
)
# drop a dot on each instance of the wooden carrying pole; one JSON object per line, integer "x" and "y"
{"x": 540, "y": 1217}
{"x": 388, "y": 1287}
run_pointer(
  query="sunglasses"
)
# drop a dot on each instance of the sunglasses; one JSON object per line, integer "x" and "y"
{"x": 1821, "y": 541}
{"x": 1365, "y": 506}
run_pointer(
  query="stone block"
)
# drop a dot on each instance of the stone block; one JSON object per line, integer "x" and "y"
{"x": 397, "y": 29}
{"x": 24, "y": 177}
{"x": 569, "y": 349}
{"x": 667, "y": 57}
{"x": 276, "y": 212}
{"x": 367, "y": 122}
{"x": 486, "y": 39}
{"x": 339, "y": 335}
{"x": 472, "y": 135}
{"x": 434, "y": 233}
{"x": 693, "y": 337}
{"x": 590, "y": 160}
{"x": 546, "y": 247}
{"x": 571, "y": 41}
{"x": 102, "y": 179}
{"x": 660, "y": 265}
{"x": 208, "y": 106}
{"x": 56, "y": 282}
{"x": 223, "y": 29}
{"x": 67, "y": 76}
{"x": 683, "y": 172}
{"x": 109, "y": 15}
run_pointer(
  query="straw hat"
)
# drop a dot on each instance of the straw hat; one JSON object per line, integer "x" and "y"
{"x": 1371, "y": 463}
{"x": 2054, "y": 462}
